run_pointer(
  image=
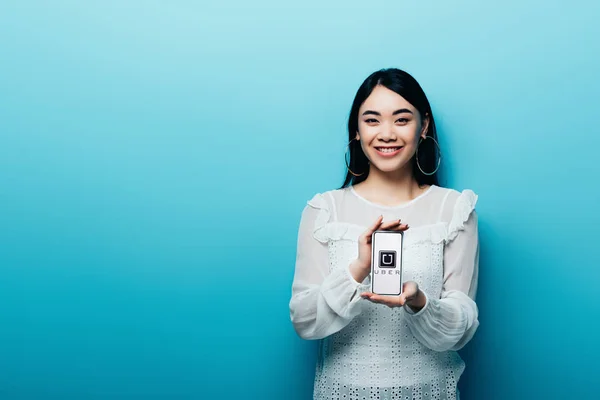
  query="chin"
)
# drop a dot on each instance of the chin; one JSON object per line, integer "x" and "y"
{"x": 390, "y": 165}
{"x": 388, "y": 168}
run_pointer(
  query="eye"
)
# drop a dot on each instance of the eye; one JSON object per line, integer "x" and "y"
{"x": 402, "y": 120}
{"x": 371, "y": 121}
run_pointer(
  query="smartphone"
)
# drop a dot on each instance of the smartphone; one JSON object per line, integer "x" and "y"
{"x": 386, "y": 262}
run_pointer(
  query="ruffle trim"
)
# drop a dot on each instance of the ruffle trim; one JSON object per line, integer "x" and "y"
{"x": 319, "y": 202}
{"x": 465, "y": 204}
{"x": 326, "y": 230}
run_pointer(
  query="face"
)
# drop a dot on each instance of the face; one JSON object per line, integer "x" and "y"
{"x": 389, "y": 129}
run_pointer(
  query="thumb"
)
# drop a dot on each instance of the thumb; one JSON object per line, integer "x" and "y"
{"x": 375, "y": 225}
{"x": 367, "y": 234}
{"x": 402, "y": 298}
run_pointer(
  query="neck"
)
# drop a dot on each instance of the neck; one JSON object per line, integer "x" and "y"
{"x": 390, "y": 187}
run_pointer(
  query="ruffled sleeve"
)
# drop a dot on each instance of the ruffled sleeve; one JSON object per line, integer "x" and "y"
{"x": 463, "y": 208}
{"x": 321, "y": 218}
{"x": 322, "y": 302}
{"x": 449, "y": 323}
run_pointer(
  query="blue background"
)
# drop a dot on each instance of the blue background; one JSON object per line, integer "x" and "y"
{"x": 155, "y": 158}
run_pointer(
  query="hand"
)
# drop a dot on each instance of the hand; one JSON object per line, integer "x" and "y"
{"x": 361, "y": 267}
{"x": 411, "y": 296}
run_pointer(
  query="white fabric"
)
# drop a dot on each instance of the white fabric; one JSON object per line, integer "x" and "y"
{"x": 370, "y": 351}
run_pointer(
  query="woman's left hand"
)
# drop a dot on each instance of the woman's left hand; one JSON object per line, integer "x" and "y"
{"x": 411, "y": 296}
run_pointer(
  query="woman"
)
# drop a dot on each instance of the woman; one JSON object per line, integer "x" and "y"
{"x": 388, "y": 347}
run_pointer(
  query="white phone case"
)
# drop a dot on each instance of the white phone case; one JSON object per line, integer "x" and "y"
{"x": 386, "y": 262}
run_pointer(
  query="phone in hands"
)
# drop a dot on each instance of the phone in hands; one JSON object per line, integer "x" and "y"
{"x": 386, "y": 262}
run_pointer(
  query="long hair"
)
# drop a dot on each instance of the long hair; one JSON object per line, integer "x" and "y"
{"x": 406, "y": 86}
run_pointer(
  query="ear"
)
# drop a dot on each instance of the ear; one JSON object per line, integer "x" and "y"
{"x": 425, "y": 126}
{"x": 357, "y": 137}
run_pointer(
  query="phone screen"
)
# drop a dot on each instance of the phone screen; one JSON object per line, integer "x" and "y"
{"x": 386, "y": 262}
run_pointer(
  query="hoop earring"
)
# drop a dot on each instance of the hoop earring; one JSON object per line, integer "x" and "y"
{"x": 346, "y": 159}
{"x": 439, "y": 158}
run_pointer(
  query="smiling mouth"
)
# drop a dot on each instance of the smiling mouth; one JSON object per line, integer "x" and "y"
{"x": 388, "y": 151}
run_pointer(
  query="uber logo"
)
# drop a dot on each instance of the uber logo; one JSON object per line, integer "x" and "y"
{"x": 387, "y": 259}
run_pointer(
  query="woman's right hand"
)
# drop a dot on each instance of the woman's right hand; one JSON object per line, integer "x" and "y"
{"x": 361, "y": 267}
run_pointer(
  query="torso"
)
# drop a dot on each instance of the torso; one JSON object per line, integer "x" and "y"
{"x": 376, "y": 353}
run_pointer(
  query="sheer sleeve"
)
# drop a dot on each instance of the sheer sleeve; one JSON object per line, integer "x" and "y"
{"x": 322, "y": 302}
{"x": 449, "y": 323}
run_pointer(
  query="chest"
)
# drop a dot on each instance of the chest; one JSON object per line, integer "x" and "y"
{"x": 422, "y": 253}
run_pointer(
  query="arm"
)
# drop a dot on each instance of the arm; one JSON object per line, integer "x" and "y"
{"x": 449, "y": 323}
{"x": 322, "y": 303}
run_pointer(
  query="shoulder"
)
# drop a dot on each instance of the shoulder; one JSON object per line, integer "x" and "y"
{"x": 321, "y": 209}
{"x": 326, "y": 199}
{"x": 458, "y": 207}
{"x": 451, "y": 197}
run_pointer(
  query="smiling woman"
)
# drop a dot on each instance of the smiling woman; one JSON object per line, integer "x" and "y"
{"x": 376, "y": 346}
{"x": 390, "y": 105}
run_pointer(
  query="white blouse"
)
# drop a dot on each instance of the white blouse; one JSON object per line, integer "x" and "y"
{"x": 370, "y": 351}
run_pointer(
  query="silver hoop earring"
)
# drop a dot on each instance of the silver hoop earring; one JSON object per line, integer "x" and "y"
{"x": 346, "y": 159}
{"x": 439, "y": 157}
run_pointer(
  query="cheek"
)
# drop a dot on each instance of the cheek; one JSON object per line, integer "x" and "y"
{"x": 410, "y": 136}
{"x": 368, "y": 133}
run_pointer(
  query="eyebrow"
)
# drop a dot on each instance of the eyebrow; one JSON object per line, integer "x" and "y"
{"x": 400, "y": 111}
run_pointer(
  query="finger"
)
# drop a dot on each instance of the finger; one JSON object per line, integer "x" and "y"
{"x": 369, "y": 296}
{"x": 402, "y": 299}
{"x": 401, "y": 227}
{"x": 391, "y": 301}
{"x": 376, "y": 224}
{"x": 406, "y": 292}
{"x": 392, "y": 224}
{"x": 367, "y": 234}
{"x": 412, "y": 288}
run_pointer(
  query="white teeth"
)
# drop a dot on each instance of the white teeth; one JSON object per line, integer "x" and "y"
{"x": 388, "y": 150}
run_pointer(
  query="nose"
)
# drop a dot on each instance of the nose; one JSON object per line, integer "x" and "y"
{"x": 387, "y": 132}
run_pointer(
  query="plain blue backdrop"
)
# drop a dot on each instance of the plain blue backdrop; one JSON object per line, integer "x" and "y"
{"x": 155, "y": 158}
